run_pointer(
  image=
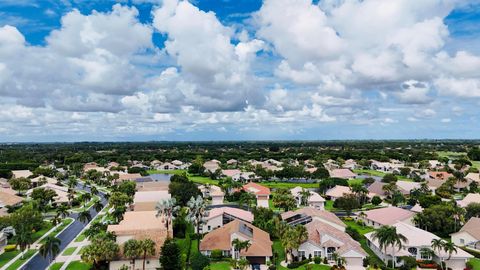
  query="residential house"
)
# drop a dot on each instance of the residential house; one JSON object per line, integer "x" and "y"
{"x": 470, "y": 198}
{"x": 128, "y": 176}
{"x": 212, "y": 165}
{"x": 139, "y": 226}
{"x": 473, "y": 177}
{"x": 231, "y": 173}
{"x": 469, "y": 235}
{"x": 326, "y": 236}
{"x": 259, "y": 252}
{"x": 314, "y": 200}
{"x": 39, "y": 180}
{"x": 147, "y": 200}
{"x": 387, "y": 216}
{"x": 376, "y": 189}
{"x": 416, "y": 240}
{"x": 21, "y": 173}
{"x": 245, "y": 177}
{"x": 337, "y": 192}
{"x": 417, "y": 208}
{"x": 8, "y": 199}
{"x": 439, "y": 175}
{"x": 393, "y": 166}
{"x": 177, "y": 163}
{"x": 61, "y": 191}
{"x": 405, "y": 187}
{"x": 215, "y": 192}
{"x": 331, "y": 165}
{"x": 167, "y": 166}
{"x": 217, "y": 217}
{"x": 262, "y": 193}
{"x": 435, "y": 164}
{"x": 350, "y": 164}
{"x": 232, "y": 162}
{"x": 342, "y": 173}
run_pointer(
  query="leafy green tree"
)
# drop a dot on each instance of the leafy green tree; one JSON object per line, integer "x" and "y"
{"x": 292, "y": 237}
{"x": 182, "y": 189}
{"x": 43, "y": 196}
{"x": 119, "y": 199}
{"x": 263, "y": 219}
{"x": 347, "y": 203}
{"x": 389, "y": 178}
{"x": 376, "y": 200}
{"x": 50, "y": 248}
{"x": 437, "y": 219}
{"x": 168, "y": 209}
{"x": 20, "y": 184}
{"x": 388, "y": 236}
{"x": 199, "y": 261}
{"x": 247, "y": 198}
{"x": 101, "y": 249}
{"x": 25, "y": 221}
{"x": 239, "y": 245}
{"x": 170, "y": 255}
{"x": 282, "y": 198}
{"x": 473, "y": 210}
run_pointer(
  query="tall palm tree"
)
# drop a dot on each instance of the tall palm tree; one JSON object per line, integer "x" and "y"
{"x": 56, "y": 220}
{"x": 197, "y": 211}
{"x": 362, "y": 215}
{"x": 98, "y": 206}
{"x": 292, "y": 238}
{"x": 147, "y": 248}
{"x": 50, "y": 248}
{"x": 167, "y": 208}
{"x": 437, "y": 244}
{"x": 131, "y": 250}
{"x": 388, "y": 236}
{"x": 449, "y": 247}
{"x": 94, "y": 190}
{"x": 84, "y": 216}
{"x": 72, "y": 182}
{"x": 24, "y": 240}
{"x": 62, "y": 211}
{"x": 305, "y": 195}
{"x": 238, "y": 246}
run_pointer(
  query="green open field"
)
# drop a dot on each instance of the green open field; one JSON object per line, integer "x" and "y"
{"x": 56, "y": 266}
{"x": 220, "y": 266}
{"x": 476, "y": 263}
{"x": 7, "y": 256}
{"x": 78, "y": 265}
{"x": 379, "y": 174}
{"x": 278, "y": 249}
{"x": 69, "y": 251}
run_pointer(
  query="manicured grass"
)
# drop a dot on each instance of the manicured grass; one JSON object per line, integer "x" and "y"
{"x": 47, "y": 227}
{"x": 69, "y": 251}
{"x": 80, "y": 238}
{"x": 288, "y": 185}
{"x": 476, "y": 164}
{"x": 7, "y": 256}
{"x": 78, "y": 265}
{"x": 376, "y": 259}
{"x": 361, "y": 229}
{"x": 21, "y": 261}
{"x": 64, "y": 224}
{"x": 56, "y": 266}
{"x": 450, "y": 154}
{"x": 278, "y": 249}
{"x": 166, "y": 171}
{"x": 329, "y": 205}
{"x": 313, "y": 267}
{"x": 354, "y": 181}
{"x": 202, "y": 180}
{"x": 220, "y": 266}
{"x": 476, "y": 263}
{"x": 379, "y": 174}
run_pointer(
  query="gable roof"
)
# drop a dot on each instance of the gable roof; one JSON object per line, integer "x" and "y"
{"x": 256, "y": 189}
{"x": 338, "y": 191}
{"x": 314, "y": 197}
{"x": 377, "y": 188}
{"x": 312, "y": 212}
{"x": 470, "y": 198}
{"x": 151, "y": 196}
{"x": 472, "y": 227}
{"x": 473, "y": 177}
{"x": 21, "y": 173}
{"x": 221, "y": 238}
{"x": 439, "y": 175}
{"x": 342, "y": 173}
{"x": 235, "y": 212}
{"x": 9, "y": 199}
{"x": 318, "y": 230}
{"x": 137, "y": 221}
{"x": 388, "y": 215}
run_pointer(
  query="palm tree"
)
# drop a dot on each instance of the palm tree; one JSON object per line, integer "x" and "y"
{"x": 243, "y": 264}
{"x": 292, "y": 238}
{"x": 167, "y": 208}
{"x": 438, "y": 244}
{"x": 362, "y": 215}
{"x": 426, "y": 252}
{"x": 84, "y": 216}
{"x": 94, "y": 190}
{"x": 72, "y": 182}
{"x": 24, "y": 240}
{"x": 62, "y": 211}
{"x": 197, "y": 211}
{"x": 305, "y": 195}
{"x": 131, "y": 250}
{"x": 239, "y": 245}
{"x": 98, "y": 206}
{"x": 449, "y": 247}
{"x": 147, "y": 248}
{"x": 56, "y": 220}
{"x": 247, "y": 199}
{"x": 85, "y": 198}
{"x": 388, "y": 236}
{"x": 50, "y": 248}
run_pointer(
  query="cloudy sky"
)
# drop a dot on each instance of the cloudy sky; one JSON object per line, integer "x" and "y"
{"x": 106, "y": 70}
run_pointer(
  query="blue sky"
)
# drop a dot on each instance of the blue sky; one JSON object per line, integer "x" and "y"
{"x": 238, "y": 70}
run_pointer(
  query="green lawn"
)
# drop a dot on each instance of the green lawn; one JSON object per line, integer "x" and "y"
{"x": 379, "y": 174}
{"x": 476, "y": 263}
{"x": 78, "y": 265}
{"x": 19, "y": 262}
{"x": 278, "y": 249}
{"x": 361, "y": 229}
{"x": 288, "y": 185}
{"x": 80, "y": 238}
{"x": 476, "y": 164}
{"x": 56, "y": 266}
{"x": 7, "y": 256}
{"x": 40, "y": 233}
{"x": 69, "y": 251}
{"x": 220, "y": 266}
{"x": 329, "y": 205}
{"x": 450, "y": 154}
{"x": 64, "y": 224}
{"x": 354, "y": 181}
{"x": 166, "y": 171}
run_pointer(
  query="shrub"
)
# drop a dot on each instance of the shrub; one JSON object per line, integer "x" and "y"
{"x": 9, "y": 248}
{"x": 353, "y": 233}
{"x": 272, "y": 267}
{"x": 325, "y": 260}
{"x": 376, "y": 200}
{"x": 216, "y": 255}
{"x": 294, "y": 265}
{"x": 199, "y": 261}
{"x": 348, "y": 218}
{"x": 317, "y": 260}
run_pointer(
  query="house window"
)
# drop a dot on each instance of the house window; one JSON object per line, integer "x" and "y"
{"x": 462, "y": 241}
{"x": 301, "y": 254}
{"x": 208, "y": 227}
{"x": 412, "y": 251}
{"x": 317, "y": 253}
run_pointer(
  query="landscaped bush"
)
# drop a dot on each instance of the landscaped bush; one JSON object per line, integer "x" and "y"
{"x": 427, "y": 264}
{"x": 325, "y": 260}
{"x": 297, "y": 264}
{"x": 216, "y": 255}
{"x": 317, "y": 260}
{"x": 348, "y": 218}
{"x": 353, "y": 233}
{"x": 9, "y": 248}
{"x": 199, "y": 261}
